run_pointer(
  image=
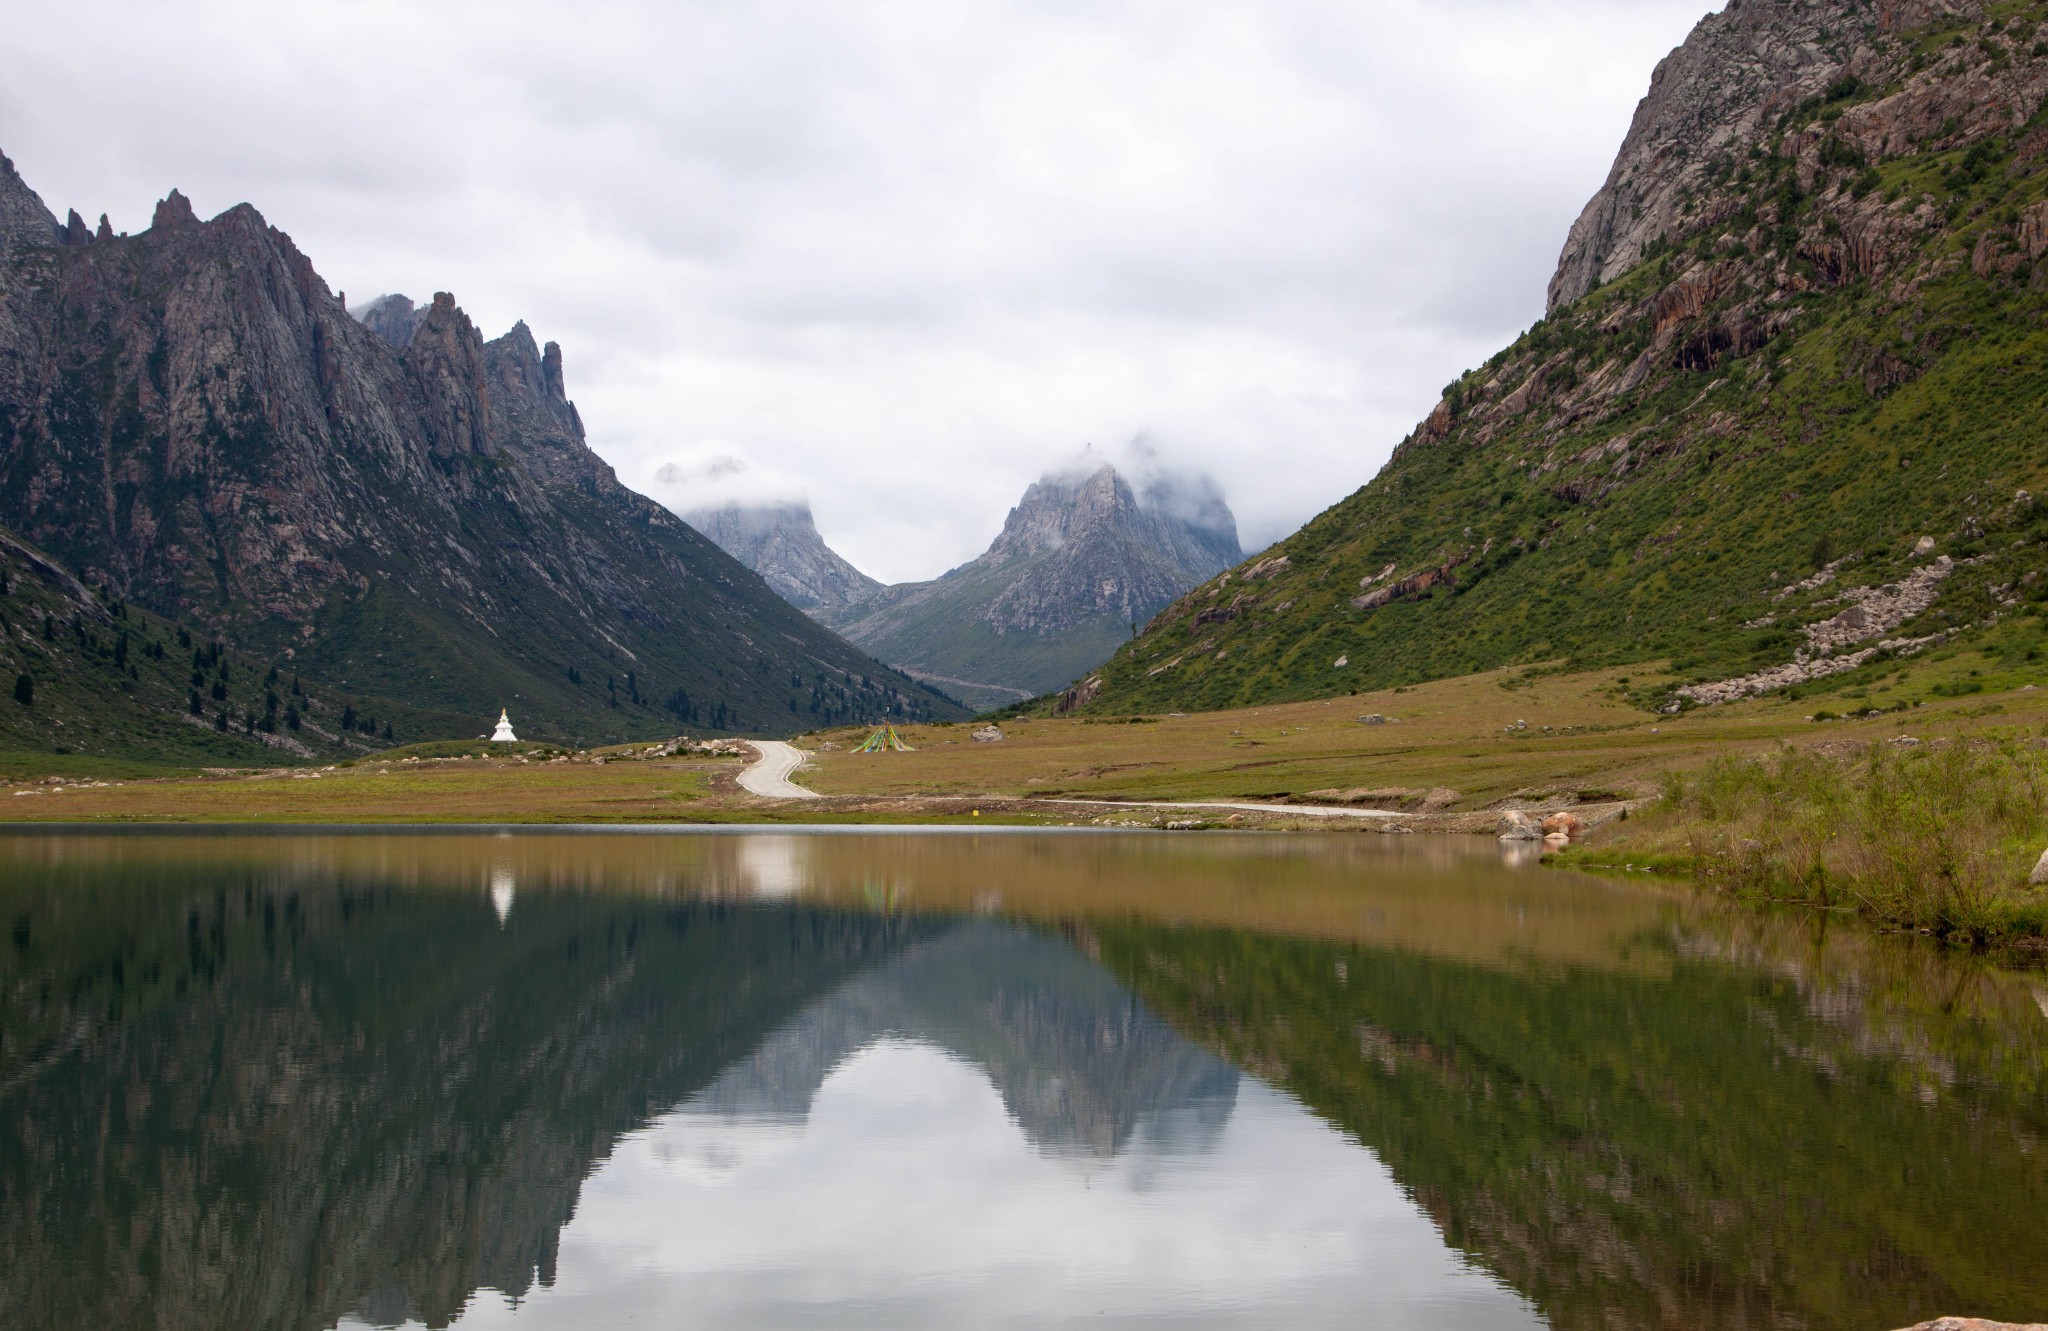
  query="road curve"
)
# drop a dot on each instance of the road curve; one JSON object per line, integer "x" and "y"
{"x": 768, "y": 777}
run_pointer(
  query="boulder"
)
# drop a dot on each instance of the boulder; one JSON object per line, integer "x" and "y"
{"x": 1976, "y": 1324}
{"x": 1374, "y": 720}
{"x": 1569, "y": 825}
{"x": 1556, "y": 841}
{"x": 989, "y": 735}
{"x": 2039, "y": 878}
{"x": 1514, "y": 825}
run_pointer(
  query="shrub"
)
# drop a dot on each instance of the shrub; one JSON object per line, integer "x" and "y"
{"x": 25, "y": 689}
{"x": 1938, "y": 838}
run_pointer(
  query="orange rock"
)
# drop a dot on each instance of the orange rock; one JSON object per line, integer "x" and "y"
{"x": 1567, "y": 824}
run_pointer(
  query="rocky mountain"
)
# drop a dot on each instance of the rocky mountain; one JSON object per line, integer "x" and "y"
{"x": 1082, "y": 559}
{"x": 191, "y": 421}
{"x": 1780, "y": 425}
{"x": 781, "y": 543}
{"x": 392, "y": 317}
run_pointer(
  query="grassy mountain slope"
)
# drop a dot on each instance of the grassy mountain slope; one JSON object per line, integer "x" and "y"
{"x": 111, "y": 687}
{"x": 1825, "y": 339}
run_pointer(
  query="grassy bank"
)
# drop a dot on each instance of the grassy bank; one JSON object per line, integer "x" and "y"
{"x": 1938, "y": 837}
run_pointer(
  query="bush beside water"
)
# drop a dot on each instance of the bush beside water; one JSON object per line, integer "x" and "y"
{"x": 1938, "y": 838}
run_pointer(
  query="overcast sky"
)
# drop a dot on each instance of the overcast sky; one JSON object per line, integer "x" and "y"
{"x": 897, "y": 257}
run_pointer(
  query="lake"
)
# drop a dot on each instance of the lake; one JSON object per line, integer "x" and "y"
{"x": 555, "y": 1079}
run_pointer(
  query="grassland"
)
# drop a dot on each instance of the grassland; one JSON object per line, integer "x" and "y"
{"x": 1530, "y": 733}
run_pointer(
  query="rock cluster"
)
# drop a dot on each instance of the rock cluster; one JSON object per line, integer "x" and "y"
{"x": 1872, "y": 612}
{"x": 1876, "y": 611}
{"x": 1558, "y": 829}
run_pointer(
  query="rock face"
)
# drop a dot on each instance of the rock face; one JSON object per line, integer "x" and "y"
{"x": 781, "y": 543}
{"x": 1081, "y": 559}
{"x": 1826, "y": 221}
{"x": 394, "y": 318}
{"x": 189, "y": 418}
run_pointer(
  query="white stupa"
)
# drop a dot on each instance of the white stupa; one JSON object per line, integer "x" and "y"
{"x": 503, "y": 734}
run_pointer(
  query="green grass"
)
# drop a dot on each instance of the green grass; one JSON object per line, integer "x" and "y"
{"x": 112, "y": 688}
{"x": 1936, "y": 838}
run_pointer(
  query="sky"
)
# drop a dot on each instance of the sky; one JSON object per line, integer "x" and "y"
{"x": 898, "y": 257}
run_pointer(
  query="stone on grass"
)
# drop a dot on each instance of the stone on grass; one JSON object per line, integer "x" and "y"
{"x": 1975, "y": 1324}
{"x": 989, "y": 735}
{"x": 1565, "y": 824}
{"x": 2039, "y": 878}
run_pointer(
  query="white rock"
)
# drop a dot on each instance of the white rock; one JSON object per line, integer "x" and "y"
{"x": 2039, "y": 878}
{"x": 1514, "y": 825}
{"x": 1924, "y": 546}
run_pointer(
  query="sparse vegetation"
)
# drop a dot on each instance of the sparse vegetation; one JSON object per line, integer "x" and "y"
{"x": 1936, "y": 837}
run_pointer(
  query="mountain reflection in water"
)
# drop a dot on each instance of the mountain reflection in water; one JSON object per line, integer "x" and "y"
{"x": 552, "y": 1080}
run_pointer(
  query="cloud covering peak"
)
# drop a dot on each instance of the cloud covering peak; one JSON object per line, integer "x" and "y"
{"x": 899, "y": 258}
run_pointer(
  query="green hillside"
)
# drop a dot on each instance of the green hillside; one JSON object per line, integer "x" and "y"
{"x": 93, "y": 685}
{"x": 1837, "y": 347}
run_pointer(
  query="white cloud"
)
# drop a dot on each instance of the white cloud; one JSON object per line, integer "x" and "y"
{"x": 910, "y": 1198}
{"x": 900, "y": 256}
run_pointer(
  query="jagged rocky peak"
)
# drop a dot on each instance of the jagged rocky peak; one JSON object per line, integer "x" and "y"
{"x": 1716, "y": 98}
{"x": 276, "y": 457}
{"x": 24, "y": 220}
{"x": 1085, "y": 554}
{"x": 1183, "y": 514}
{"x": 394, "y": 318}
{"x": 780, "y": 541}
{"x": 174, "y": 210}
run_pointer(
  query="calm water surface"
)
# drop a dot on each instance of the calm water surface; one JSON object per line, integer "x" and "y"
{"x": 556, "y": 1080}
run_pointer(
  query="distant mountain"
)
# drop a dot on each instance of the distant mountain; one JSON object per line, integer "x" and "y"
{"x": 190, "y": 420}
{"x": 1081, "y": 561}
{"x": 781, "y": 543}
{"x": 394, "y": 318}
{"x": 1780, "y": 425}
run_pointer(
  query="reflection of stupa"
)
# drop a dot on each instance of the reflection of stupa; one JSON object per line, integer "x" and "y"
{"x": 503, "y": 734}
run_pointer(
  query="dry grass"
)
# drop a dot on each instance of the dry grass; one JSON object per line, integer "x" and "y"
{"x": 1582, "y": 736}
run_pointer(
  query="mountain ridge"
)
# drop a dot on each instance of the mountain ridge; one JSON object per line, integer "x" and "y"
{"x": 1082, "y": 560}
{"x": 190, "y": 417}
{"x": 781, "y": 542}
{"x": 1795, "y": 348}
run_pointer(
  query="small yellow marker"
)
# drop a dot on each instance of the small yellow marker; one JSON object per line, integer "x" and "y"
{"x": 977, "y": 813}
